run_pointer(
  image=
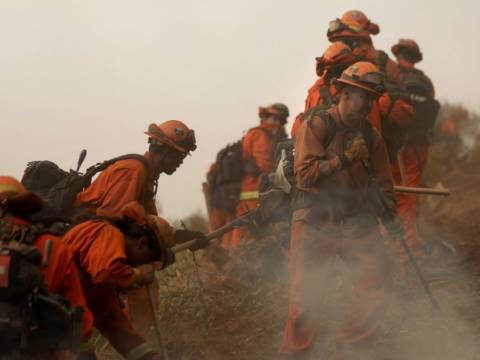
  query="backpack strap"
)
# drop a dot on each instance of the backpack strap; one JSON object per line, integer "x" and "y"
{"x": 331, "y": 126}
{"x": 325, "y": 95}
{"x": 322, "y": 112}
{"x": 95, "y": 169}
{"x": 367, "y": 133}
{"x": 92, "y": 170}
{"x": 382, "y": 60}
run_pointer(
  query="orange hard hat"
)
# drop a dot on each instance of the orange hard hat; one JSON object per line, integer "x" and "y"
{"x": 173, "y": 133}
{"x": 358, "y": 17}
{"x": 353, "y": 24}
{"x": 18, "y": 199}
{"x": 278, "y": 109}
{"x": 363, "y": 75}
{"x": 410, "y": 47}
{"x": 337, "y": 54}
{"x": 338, "y": 30}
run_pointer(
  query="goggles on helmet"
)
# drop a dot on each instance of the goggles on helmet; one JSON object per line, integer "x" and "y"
{"x": 369, "y": 78}
{"x": 188, "y": 143}
{"x": 337, "y": 25}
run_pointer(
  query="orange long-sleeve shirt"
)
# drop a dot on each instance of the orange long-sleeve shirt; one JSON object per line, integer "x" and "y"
{"x": 61, "y": 277}
{"x": 258, "y": 144}
{"x": 398, "y": 112}
{"x": 121, "y": 183}
{"x": 315, "y": 174}
{"x": 99, "y": 250}
{"x": 314, "y": 98}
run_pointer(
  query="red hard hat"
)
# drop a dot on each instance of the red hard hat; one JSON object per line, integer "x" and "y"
{"x": 17, "y": 197}
{"x": 337, "y": 54}
{"x": 408, "y": 45}
{"x": 363, "y": 75}
{"x": 173, "y": 133}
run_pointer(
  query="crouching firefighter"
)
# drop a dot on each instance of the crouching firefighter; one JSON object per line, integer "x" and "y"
{"x": 332, "y": 217}
{"x": 119, "y": 254}
{"x": 43, "y": 313}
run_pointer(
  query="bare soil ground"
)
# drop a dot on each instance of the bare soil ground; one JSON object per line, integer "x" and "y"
{"x": 239, "y": 312}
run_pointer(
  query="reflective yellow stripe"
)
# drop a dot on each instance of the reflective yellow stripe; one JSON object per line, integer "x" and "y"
{"x": 139, "y": 351}
{"x": 249, "y": 195}
{"x": 9, "y": 188}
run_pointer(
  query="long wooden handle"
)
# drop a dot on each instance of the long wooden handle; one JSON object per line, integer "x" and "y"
{"x": 214, "y": 234}
{"x": 424, "y": 191}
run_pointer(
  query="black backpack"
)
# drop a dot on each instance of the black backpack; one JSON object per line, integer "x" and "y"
{"x": 230, "y": 164}
{"x": 59, "y": 188}
{"x": 224, "y": 185}
{"x": 32, "y": 320}
{"x": 426, "y": 108}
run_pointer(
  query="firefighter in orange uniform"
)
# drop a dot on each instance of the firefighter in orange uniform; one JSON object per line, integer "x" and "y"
{"x": 332, "y": 216}
{"x": 61, "y": 276}
{"x": 258, "y": 156}
{"x": 114, "y": 256}
{"x": 132, "y": 180}
{"x": 413, "y": 156}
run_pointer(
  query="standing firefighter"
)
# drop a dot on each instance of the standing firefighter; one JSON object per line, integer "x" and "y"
{"x": 136, "y": 180}
{"x": 258, "y": 150}
{"x": 332, "y": 217}
{"x": 414, "y": 154}
{"x": 34, "y": 265}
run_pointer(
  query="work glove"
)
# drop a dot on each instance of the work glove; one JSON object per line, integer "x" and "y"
{"x": 357, "y": 151}
{"x": 182, "y": 236}
{"x": 145, "y": 274}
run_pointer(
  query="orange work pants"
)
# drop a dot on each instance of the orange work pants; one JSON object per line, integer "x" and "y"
{"x": 414, "y": 161}
{"x": 239, "y": 235}
{"x": 219, "y": 218}
{"x": 313, "y": 251}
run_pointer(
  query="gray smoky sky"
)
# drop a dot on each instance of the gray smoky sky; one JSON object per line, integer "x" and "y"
{"x": 93, "y": 74}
